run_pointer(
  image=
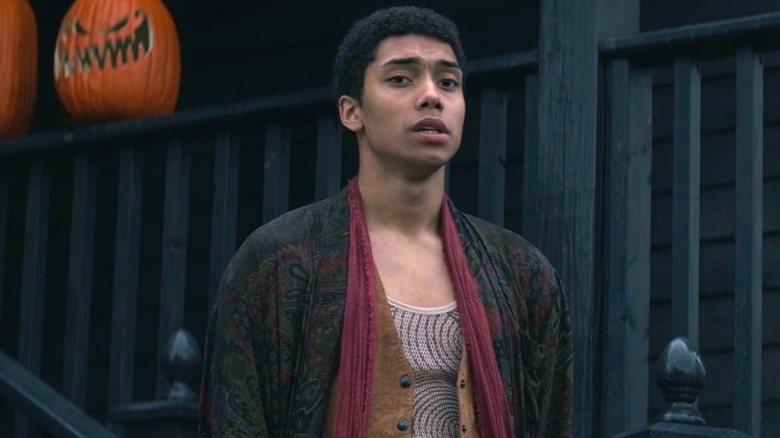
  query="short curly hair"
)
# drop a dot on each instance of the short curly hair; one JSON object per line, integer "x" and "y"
{"x": 359, "y": 46}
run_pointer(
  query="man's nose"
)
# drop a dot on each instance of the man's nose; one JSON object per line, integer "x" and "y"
{"x": 430, "y": 96}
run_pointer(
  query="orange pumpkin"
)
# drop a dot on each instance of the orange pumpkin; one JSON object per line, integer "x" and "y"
{"x": 18, "y": 67}
{"x": 117, "y": 59}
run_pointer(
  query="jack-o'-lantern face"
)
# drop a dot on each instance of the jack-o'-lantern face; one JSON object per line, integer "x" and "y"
{"x": 79, "y": 50}
{"x": 117, "y": 59}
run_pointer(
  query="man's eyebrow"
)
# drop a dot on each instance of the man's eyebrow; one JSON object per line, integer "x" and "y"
{"x": 450, "y": 64}
{"x": 416, "y": 61}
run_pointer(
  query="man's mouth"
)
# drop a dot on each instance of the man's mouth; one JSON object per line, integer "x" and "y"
{"x": 430, "y": 125}
{"x": 431, "y": 130}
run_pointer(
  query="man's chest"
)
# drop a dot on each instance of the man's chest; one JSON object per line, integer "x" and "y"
{"x": 416, "y": 275}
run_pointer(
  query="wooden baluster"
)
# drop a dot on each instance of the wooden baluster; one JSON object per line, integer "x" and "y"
{"x": 685, "y": 222}
{"x": 531, "y": 158}
{"x": 82, "y": 235}
{"x": 128, "y": 236}
{"x": 328, "y": 180}
{"x": 33, "y": 281}
{"x": 492, "y": 156}
{"x": 3, "y": 225}
{"x": 629, "y": 146}
{"x": 276, "y": 172}
{"x": 174, "y": 249}
{"x": 749, "y": 228}
{"x": 224, "y": 213}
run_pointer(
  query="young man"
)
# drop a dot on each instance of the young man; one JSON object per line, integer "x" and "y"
{"x": 383, "y": 311}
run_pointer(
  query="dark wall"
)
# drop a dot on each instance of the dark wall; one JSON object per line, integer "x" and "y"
{"x": 660, "y": 14}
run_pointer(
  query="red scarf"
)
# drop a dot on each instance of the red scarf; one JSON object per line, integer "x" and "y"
{"x": 359, "y": 335}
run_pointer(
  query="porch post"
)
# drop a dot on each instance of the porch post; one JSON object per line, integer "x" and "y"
{"x": 567, "y": 200}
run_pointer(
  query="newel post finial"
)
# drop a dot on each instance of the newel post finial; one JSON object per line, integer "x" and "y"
{"x": 681, "y": 375}
{"x": 180, "y": 363}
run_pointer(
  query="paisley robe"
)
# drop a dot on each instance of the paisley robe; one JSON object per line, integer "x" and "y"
{"x": 273, "y": 340}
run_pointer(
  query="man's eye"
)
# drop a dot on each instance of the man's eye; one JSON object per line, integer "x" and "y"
{"x": 449, "y": 83}
{"x": 398, "y": 79}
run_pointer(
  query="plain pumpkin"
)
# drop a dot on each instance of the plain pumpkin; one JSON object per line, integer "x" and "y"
{"x": 18, "y": 67}
{"x": 117, "y": 59}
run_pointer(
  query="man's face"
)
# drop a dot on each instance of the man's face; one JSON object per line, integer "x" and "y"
{"x": 411, "y": 116}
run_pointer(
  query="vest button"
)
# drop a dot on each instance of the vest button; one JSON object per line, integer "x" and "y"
{"x": 406, "y": 381}
{"x": 402, "y": 424}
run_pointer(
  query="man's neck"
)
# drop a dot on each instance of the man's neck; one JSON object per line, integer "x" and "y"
{"x": 398, "y": 205}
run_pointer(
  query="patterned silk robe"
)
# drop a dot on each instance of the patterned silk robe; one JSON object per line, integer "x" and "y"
{"x": 273, "y": 341}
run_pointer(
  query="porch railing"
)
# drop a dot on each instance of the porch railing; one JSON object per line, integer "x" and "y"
{"x": 282, "y": 151}
{"x": 630, "y": 62}
{"x": 155, "y": 254}
{"x": 45, "y": 405}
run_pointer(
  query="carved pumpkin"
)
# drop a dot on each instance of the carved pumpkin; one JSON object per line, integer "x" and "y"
{"x": 117, "y": 59}
{"x": 18, "y": 67}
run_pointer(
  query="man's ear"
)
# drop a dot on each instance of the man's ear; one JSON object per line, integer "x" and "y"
{"x": 351, "y": 114}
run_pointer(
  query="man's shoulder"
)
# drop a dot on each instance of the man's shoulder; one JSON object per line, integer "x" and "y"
{"x": 293, "y": 237}
{"x": 510, "y": 245}
{"x": 300, "y": 224}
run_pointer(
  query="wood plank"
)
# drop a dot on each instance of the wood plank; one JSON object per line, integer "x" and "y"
{"x": 276, "y": 172}
{"x": 492, "y": 156}
{"x": 531, "y": 214}
{"x": 507, "y": 62}
{"x": 3, "y": 225}
{"x": 173, "y": 275}
{"x": 41, "y": 402}
{"x": 568, "y": 65}
{"x": 749, "y": 228}
{"x": 109, "y": 134}
{"x": 717, "y": 260}
{"x": 667, "y": 13}
{"x": 717, "y": 161}
{"x": 123, "y": 317}
{"x": 225, "y": 210}
{"x": 717, "y": 326}
{"x": 33, "y": 280}
{"x": 329, "y": 144}
{"x": 718, "y": 100}
{"x": 82, "y": 239}
{"x": 771, "y": 258}
{"x": 685, "y": 223}
{"x": 717, "y": 213}
{"x": 447, "y": 175}
{"x": 629, "y": 150}
{"x": 714, "y": 39}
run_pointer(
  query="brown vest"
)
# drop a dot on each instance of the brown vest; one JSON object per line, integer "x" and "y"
{"x": 391, "y": 402}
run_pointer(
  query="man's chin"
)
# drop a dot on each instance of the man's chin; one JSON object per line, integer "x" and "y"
{"x": 425, "y": 170}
